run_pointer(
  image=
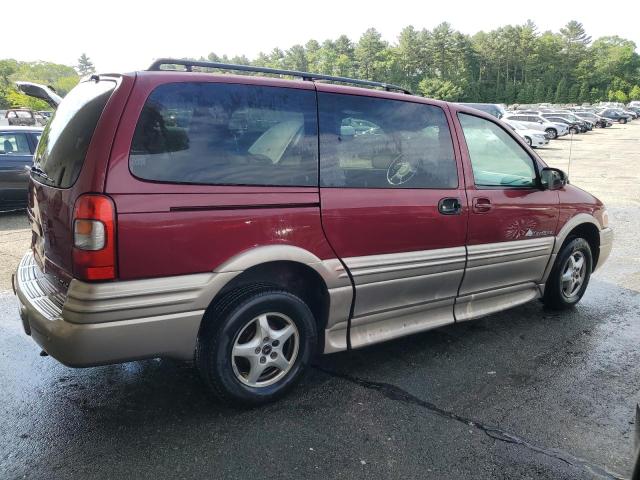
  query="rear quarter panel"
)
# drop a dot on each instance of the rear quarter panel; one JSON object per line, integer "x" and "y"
{"x": 173, "y": 229}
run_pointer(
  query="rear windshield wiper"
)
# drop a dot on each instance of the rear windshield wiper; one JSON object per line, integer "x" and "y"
{"x": 39, "y": 172}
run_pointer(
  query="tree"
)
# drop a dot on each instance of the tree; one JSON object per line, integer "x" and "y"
{"x": 634, "y": 94}
{"x": 561, "y": 92}
{"x": 369, "y": 54}
{"x": 440, "y": 89}
{"x": 85, "y": 66}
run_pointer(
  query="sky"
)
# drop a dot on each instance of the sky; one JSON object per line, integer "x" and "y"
{"x": 122, "y": 36}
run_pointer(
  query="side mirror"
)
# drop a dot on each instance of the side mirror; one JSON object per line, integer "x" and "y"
{"x": 552, "y": 178}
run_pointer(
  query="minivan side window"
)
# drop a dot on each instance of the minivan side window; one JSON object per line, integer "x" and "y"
{"x": 497, "y": 159}
{"x": 227, "y": 134}
{"x": 368, "y": 142}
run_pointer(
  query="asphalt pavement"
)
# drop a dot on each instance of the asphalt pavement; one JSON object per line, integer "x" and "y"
{"x": 526, "y": 393}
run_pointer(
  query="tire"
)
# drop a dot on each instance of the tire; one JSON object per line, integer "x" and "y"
{"x": 569, "y": 278}
{"x": 622, "y": 121}
{"x": 574, "y": 130}
{"x": 250, "y": 321}
{"x": 553, "y": 133}
{"x": 528, "y": 140}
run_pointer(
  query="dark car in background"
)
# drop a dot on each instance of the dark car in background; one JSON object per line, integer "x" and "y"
{"x": 17, "y": 146}
{"x": 494, "y": 109}
{"x": 597, "y": 120}
{"x": 615, "y": 115}
{"x": 574, "y": 127}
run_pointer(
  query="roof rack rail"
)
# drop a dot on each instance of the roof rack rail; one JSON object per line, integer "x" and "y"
{"x": 189, "y": 64}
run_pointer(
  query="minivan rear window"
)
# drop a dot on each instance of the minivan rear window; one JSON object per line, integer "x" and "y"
{"x": 227, "y": 134}
{"x": 65, "y": 139}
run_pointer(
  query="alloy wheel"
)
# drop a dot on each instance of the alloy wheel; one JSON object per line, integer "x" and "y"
{"x": 265, "y": 350}
{"x": 573, "y": 274}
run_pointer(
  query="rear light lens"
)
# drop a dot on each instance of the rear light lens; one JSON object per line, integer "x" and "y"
{"x": 94, "y": 249}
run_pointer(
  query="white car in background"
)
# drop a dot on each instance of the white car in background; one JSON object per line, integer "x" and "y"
{"x": 535, "y": 121}
{"x": 534, "y": 138}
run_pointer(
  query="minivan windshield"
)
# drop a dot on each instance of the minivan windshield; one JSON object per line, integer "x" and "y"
{"x": 65, "y": 140}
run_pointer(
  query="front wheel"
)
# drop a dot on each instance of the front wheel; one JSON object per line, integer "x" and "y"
{"x": 570, "y": 275}
{"x": 574, "y": 130}
{"x": 528, "y": 140}
{"x": 255, "y": 345}
{"x": 552, "y": 133}
{"x": 622, "y": 121}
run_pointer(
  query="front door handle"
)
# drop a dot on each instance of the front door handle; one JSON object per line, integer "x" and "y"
{"x": 481, "y": 204}
{"x": 450, "y": 206}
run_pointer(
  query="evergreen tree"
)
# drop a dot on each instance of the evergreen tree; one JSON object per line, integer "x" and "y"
{"x": 561, "y": 92}
{"x": 85, "y": 66}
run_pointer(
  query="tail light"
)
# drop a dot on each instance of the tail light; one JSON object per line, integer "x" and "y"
{"x": 94, "y": 247}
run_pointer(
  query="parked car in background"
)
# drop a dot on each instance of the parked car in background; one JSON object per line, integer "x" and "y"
{"x": 574, "y": 126}
{"x": 494, "y": 109}
{"x": 572, "y": 116}
{"x": 535, "y": 121}
{"x": 597, "y": 120}
{"x": 17, "y": 146}
{"x": 533, "y": 138}
{"x": 46, "y": 114}
{"x": 21, "y": 117}
{"x": 615, "y": 115}
{"x": 241, "y": 223}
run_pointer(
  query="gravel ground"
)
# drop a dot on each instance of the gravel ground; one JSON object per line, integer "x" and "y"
{"x": 526, "y": 393}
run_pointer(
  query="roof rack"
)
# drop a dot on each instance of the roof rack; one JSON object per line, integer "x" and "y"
{"x": 189, "y": 64}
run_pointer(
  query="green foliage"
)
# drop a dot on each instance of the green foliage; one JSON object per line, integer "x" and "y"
{"x": 440, "y": 89}
{"x": 61, "y": 77}
{"x": 634, "y": 94}
{"x": 617, "y": 96}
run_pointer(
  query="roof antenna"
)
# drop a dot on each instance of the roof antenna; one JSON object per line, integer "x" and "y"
{"x": 570, "y": 150}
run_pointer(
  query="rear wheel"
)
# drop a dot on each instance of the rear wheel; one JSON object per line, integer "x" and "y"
{"x": 255, "y": 345}
{"x": 552, "y": 133}
{"x": 570, "y": 275}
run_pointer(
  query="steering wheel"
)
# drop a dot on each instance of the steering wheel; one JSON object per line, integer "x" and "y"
{"x": 400, "y": 171}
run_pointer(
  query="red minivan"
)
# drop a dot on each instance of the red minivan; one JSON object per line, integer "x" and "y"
{"x": 248, "y": 223}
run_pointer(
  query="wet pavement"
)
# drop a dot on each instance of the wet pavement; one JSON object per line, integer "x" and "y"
{"x": 526, "y": 393}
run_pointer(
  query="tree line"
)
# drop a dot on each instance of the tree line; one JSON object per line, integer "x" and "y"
{"x": 512, "y": 64}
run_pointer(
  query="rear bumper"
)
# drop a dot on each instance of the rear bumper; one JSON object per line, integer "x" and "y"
{"x": 97, "y": 324}
{"x": 606, "y": 244}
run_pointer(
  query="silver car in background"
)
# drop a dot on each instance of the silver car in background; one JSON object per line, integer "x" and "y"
{"x": 537, "y": 122}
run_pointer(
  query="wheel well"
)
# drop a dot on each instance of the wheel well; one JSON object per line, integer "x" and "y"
{"x": 590, "y": 233}
{"x": 297, "y": 278}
